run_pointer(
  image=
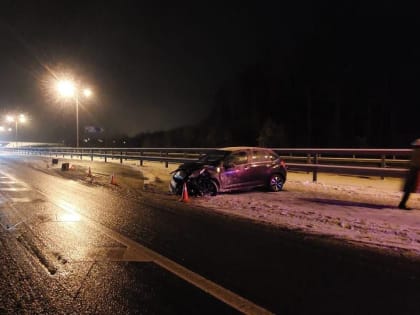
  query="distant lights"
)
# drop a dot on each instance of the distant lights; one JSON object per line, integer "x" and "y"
{"x": 20, "y": 118}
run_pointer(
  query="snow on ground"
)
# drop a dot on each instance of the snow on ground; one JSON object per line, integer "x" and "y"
{"x": 357, "y": 210}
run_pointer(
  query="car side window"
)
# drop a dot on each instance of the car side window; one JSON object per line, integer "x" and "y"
{"x": 237, "y": 158}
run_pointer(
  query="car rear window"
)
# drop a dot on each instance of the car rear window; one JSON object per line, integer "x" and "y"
{"x": 263, "y": 155}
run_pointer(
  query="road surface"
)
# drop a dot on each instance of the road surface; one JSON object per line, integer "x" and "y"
{"x": 73, "y": 247}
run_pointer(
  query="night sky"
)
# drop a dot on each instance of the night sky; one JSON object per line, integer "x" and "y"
{"x": 152, "y": 65}
{"x": 158, "y": 65}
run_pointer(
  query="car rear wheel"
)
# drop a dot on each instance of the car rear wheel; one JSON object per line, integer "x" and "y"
{"x": 276, "y": 182}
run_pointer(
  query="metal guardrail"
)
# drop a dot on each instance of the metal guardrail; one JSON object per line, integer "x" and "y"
{"x": 365, "y": 162}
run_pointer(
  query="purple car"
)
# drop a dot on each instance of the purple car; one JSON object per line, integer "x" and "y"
{"x": 229, "y": 169}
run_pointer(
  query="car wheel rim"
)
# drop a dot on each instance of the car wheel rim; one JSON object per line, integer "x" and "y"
{"x": 209, "y": 189}
{"x": 276, "y": 183}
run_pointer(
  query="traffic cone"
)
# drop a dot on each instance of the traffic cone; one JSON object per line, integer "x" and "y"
{"x": 113, "y": 180}
{"x": 184, "y": 196}
{"x": 89, "y": 173}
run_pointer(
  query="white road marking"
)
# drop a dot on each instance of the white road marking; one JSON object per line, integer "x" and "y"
{"x": 14, "y": 189}
{"x": 138, "y": 252}
{"x": 22, "y": 199}
{"x": 18, "y": 187}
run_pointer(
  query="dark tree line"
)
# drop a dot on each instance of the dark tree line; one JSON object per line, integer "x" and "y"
{"x": 347, "y": 78}
{"x": 279, "y": 110}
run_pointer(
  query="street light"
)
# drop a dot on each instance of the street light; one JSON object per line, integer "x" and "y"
{"x": 21, "y": 118}
{"x": 67, "y": 88}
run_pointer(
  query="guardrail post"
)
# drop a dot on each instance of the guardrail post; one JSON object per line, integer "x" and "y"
{"x": 121, "y": 157}
{"x": 91, "y": 154}
{"x": 315, "y": 171}
{"x": 308, "y": 160}
{"x": 81, "y": 154}
{"x": 166, "y": 164}
{"x": 383, "y": 164}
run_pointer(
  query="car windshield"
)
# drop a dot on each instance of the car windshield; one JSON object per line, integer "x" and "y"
{"x": 213, "y": 156}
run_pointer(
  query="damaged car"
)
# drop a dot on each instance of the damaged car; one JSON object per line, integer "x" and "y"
{"x": 230, "y": 169}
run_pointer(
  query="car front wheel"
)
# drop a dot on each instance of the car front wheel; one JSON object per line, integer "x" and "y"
{"x": 208, "y": 187}
{"x": 276, "y": 182}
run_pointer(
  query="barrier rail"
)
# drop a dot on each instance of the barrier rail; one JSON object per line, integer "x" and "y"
{"x": 339, "y": 161}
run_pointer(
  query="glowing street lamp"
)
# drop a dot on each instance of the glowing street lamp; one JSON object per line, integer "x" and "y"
{"x": 67, "y": 88}
{"x": 87, "y": 92}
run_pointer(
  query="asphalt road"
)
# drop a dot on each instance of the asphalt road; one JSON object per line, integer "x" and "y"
{"x": 69, "y": 247}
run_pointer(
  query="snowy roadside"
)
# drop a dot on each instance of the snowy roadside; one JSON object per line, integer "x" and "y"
{"x": 357, "y": 210}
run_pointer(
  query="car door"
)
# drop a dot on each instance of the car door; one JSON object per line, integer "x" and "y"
{"x": 261, "y": 161}
{"x": 236, "y": 172}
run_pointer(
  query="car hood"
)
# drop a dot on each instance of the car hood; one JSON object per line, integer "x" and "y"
{"x": 192, "y": 166}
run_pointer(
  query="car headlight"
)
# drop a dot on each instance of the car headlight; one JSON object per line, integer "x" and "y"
{"x": 180, "y": 174}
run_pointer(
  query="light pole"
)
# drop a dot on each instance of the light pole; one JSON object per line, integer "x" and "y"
{"x": 20, "y": 118}
{"x": 67, "y": 88}
{"x": 77, "y": 120}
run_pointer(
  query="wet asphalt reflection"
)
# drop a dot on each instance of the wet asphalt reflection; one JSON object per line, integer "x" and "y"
{"x": 73, "y": 229}
{"x": 99, "y": 270}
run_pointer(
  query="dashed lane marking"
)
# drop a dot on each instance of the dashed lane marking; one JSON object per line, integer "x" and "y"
{"x": 20, "y": 199}
{"x": 138, "y": 252}
{"x": 14, "y": 189}
{"x": 9, "y": 184}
